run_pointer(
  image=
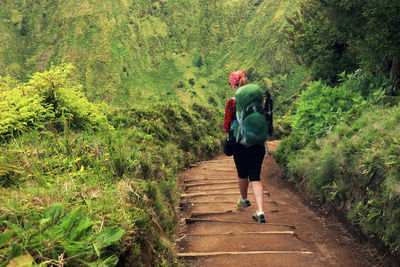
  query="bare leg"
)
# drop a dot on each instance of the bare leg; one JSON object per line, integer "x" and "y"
{"x": 243, "y": 185}
{"x": 258, "y": 194}
{"x": 268, "y": 152}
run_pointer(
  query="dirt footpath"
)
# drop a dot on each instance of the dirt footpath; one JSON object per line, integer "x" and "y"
{"x": 214, "y": 232}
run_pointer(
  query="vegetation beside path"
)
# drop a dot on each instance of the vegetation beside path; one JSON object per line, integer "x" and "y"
{"x": 344, "y": 145}
{"x": 84, "y": 184}
{"x": 344, "y": 150}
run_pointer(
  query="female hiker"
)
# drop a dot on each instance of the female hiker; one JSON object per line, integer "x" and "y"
{"x": 248, "y": 159}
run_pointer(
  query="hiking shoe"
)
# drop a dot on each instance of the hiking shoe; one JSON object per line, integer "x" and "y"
{"x": 259, "y": 218}
{"x": 243, "y": 204}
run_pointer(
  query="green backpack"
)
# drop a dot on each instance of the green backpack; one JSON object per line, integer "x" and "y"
{"x": 252, "y": 126}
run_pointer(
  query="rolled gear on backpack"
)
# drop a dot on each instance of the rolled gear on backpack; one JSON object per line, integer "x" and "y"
{"x": 268, "y": 111}
{"x": 252, "y": 126}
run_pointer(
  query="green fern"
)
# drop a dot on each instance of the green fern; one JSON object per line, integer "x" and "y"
{"x": 6, "y": 169}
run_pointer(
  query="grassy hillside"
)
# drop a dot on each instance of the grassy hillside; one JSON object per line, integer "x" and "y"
{"x": 85, "y": 184}
{"x": 261, "y": 52}
{"x": 344, "y": 151}
{"x": 135, "y": 51}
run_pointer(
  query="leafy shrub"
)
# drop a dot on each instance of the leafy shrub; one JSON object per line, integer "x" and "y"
{"x": 47, "y": 98}
{"x": 64, "y": 97}
{"x": 373, "y": 86}
{"x": 191, "y": 81}
{"x": 20, "y": 110}
{"x": 320, "y": 107}
{"x": 288, "y": 148}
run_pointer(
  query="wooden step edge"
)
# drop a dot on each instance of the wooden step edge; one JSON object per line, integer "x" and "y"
{"x": 210, "y": 193}
{"x": 211, "y": 168}
{"x": 216, "y": 193}
{"x": 210, "y": 190}
{"x": 219, "y": 253}
{"x": 193, "y": 220}
{"x": 219, "y": 202}
{"x": 243, "y": 233}
{"x": 210, "y": 183}
{"x": 199, "y": 214}
{"x": 208, "y": 179}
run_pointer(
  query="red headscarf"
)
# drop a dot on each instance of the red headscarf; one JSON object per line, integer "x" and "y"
{"x": 236, "y": 76}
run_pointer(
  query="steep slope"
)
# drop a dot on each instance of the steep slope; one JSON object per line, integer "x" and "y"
{"x": 261, "y": 51}
{"x": 131, "y": 51}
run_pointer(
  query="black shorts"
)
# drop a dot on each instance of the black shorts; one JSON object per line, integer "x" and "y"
{"x": 248, "y": 160}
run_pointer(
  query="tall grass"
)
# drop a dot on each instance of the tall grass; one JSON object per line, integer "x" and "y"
{"x": 77, "y": 193}
{"x": 350, "y": 161}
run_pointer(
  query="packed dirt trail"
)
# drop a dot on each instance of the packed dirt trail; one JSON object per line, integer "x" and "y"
{"x": 215, "y": 232}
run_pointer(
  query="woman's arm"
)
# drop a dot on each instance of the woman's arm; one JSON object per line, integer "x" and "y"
{"x": 230, "y": 110}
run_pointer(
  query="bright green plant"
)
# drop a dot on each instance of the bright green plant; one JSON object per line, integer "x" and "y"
{"x": 321, "y": 107}
{"x": 49, "y": 97}
{"x": 355, "y": 169}
{"x": 59, "y": 235}
{"x": 64, "y": 97}
{"x": 20, "y": 109}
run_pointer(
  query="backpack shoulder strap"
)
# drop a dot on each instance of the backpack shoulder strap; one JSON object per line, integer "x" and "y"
{"x": 269, "y": 105}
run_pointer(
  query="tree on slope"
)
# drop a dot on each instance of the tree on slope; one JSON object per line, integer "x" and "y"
{"x": 332, "y": 36}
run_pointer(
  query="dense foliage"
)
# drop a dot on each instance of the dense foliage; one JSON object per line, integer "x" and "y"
{"x": 90, "y": 186}
{"x": 320, "y": 107}
{"x": 50, "y": 96}
{"x": 332, "y": 36}
{"x": 344, "y": 150}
